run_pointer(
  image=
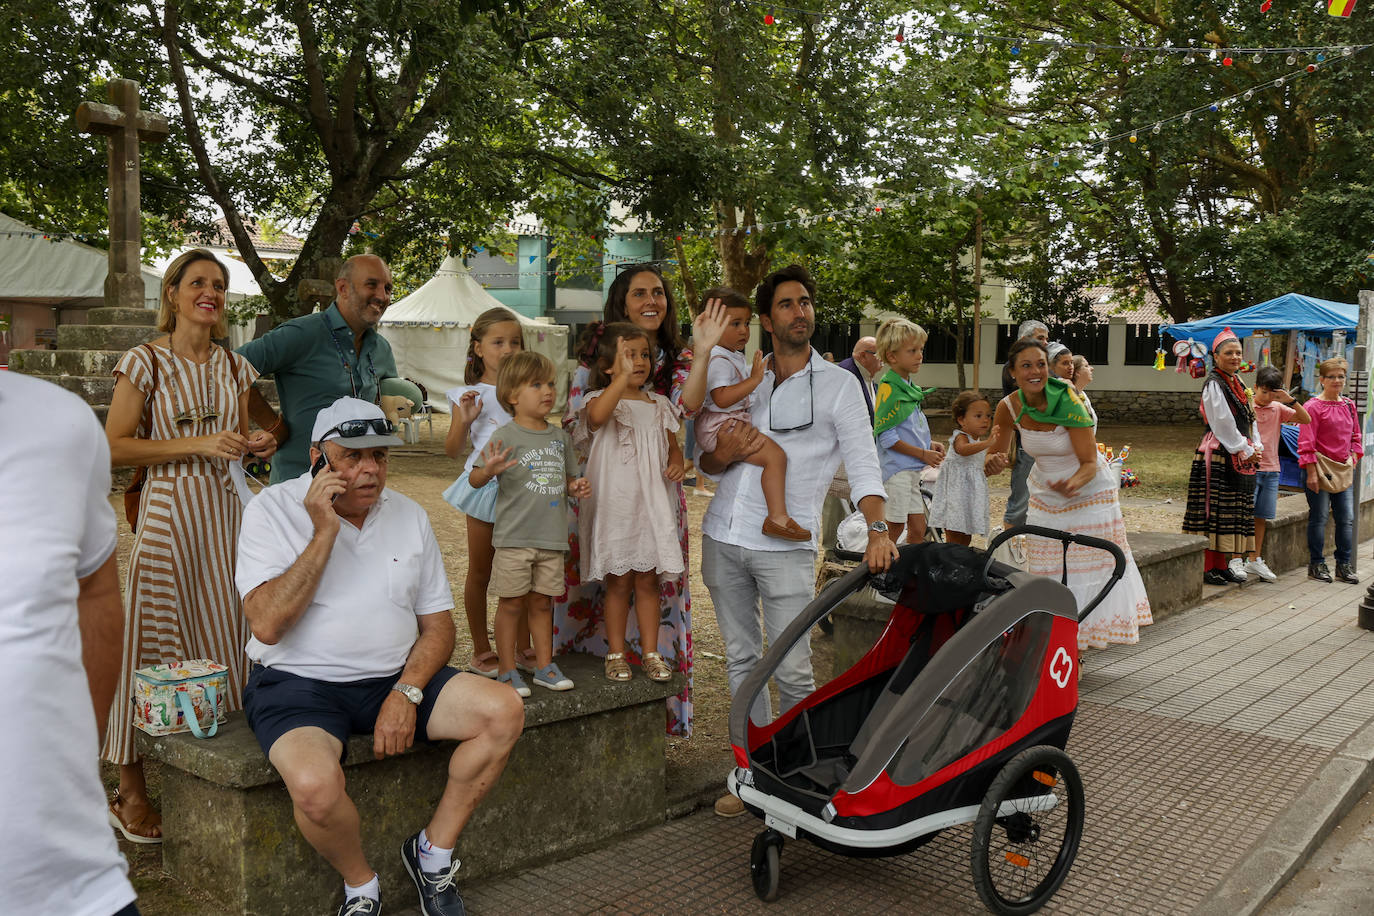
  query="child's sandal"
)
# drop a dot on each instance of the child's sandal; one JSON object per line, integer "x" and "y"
{"x": 656, "y": 668}
{"x": 617, "y": 669}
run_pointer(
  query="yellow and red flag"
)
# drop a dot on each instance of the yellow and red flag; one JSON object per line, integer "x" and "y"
{"x": 1342, "y": 8}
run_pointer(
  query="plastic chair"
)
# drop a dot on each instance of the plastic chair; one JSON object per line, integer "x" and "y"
{"x": 407, "y": 389}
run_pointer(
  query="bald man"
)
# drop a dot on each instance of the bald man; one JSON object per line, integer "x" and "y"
{"x": 864, "y": 365}
{"x": 317, "y": 359}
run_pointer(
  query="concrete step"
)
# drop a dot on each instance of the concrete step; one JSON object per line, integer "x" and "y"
{"x": 92, "y": 389}
{"x": 65, "y": 362}
{"x": 122, "y": 316}
{"x": 104, "y": 337}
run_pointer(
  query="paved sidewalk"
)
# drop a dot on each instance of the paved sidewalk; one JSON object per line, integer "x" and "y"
{"x": 1191, "y": 744}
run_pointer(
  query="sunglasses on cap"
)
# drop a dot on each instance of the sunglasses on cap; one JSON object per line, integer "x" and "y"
{"x": 352, "y": 429}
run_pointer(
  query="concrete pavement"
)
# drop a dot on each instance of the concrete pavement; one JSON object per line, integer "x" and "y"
{"x": 1216, "y": 753}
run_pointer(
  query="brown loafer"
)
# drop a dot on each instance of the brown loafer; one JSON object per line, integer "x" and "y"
{"x": 729, "y": 806}
{"x": 789, "y": 532}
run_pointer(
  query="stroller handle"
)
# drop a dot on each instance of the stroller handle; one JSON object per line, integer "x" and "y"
{"x": 1067, "y": 538}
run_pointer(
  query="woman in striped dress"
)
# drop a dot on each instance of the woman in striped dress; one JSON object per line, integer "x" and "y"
{"x": 1072, "y": 489}
{"x": 184, "y": 420}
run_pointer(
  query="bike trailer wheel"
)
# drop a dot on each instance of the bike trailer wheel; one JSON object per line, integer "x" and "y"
{"x": 1027, "y": 832}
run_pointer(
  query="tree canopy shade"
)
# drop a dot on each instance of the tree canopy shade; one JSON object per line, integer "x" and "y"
{"x": 427, "y": 121}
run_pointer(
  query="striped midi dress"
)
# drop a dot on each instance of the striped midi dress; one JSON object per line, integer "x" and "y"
{"x": 179, "y": 596}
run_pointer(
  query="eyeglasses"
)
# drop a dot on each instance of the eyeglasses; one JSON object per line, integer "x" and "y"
{"x": 352, "y": 429}
{"x": 793, "y": 409}
{"x": 196, "y": 414}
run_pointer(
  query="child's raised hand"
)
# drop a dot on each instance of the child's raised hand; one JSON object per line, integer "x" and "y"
{"x": 469, "y": 407}
{"x": 708, "y": 327}
{"x": 624, "y": 365}
{"x": 759, "y": 367}
{"x": 675, "y": 471}
{"x": 496, "y": 459}
{"x": 579, "y": 488}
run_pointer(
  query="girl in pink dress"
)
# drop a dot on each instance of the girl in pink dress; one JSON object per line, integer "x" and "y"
{"x": 628, "y": 528}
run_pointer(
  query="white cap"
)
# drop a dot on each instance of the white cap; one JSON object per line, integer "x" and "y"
{"x": 343, "y": 410}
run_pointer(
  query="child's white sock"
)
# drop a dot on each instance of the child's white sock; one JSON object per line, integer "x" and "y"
{"x": 371, "y": 889}
{"x": 433, "y": 858}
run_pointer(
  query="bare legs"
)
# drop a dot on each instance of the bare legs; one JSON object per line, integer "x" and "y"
{"x": 773, "y": 460}
{"x": 135, "y": 810}
{"x": 480, "y": 554}
{"x": 644, "y": 587}
{"x": 915, "y": 528}
{"x": 520, "y": 620}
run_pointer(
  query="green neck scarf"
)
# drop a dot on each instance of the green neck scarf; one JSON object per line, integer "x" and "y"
{"x": 1063, "y": 406}
{"x": 897, "y": 399}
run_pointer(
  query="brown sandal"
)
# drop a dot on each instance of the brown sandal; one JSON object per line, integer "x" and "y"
{"x": 139, "y": 831}
{"x": 617, "y": 669}
{"x": 656, "y": 668}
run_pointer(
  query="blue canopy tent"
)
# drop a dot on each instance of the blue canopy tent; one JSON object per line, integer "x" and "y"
{"x": 1291, "y": 312}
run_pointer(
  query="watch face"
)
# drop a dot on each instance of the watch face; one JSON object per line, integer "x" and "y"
{"x": 878, "y": 526}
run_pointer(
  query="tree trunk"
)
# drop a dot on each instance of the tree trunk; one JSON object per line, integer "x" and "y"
{"x": 958, "y": 319}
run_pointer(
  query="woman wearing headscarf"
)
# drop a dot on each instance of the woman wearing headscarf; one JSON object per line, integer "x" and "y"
{"x": 1221, "y": 483}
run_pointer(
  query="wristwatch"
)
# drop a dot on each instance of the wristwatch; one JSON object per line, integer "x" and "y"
{"x": 413, "y": 694}
{"x": 878, "y": 527}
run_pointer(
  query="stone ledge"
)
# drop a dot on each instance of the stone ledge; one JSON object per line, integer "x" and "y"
{"x": 233, "y": 758}
{"x": 1170, "y": 566}
{"x": 1285, "y": 541}
{"x": 589, "y": 767}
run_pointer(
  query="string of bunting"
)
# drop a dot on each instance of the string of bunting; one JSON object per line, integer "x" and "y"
{"x": 1015, "y": 43}
{"x": 1131, "y": 135}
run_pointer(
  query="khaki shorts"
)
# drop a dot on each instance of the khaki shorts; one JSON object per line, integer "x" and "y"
{"x": 903, "y": 496}
{"x": 517, "y": 571}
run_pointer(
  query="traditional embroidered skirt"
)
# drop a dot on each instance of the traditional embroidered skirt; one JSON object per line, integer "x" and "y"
{"x": 1221, "y": 504}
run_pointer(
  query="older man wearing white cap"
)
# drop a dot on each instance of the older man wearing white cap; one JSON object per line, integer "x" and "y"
{"x": 345, "y": 593}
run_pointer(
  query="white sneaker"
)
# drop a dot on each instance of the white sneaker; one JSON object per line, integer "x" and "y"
{"x": 1261, "y": 569}
{"x": 1236, "y": 568}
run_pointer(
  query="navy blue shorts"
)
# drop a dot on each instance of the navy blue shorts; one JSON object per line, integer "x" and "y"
{"x": 277, "y": 701}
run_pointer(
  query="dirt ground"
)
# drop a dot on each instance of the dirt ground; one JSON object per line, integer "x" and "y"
{"x": 1160, "y": 456}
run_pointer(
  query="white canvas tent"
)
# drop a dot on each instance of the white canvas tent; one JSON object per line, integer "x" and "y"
{"x": 428, "y": 332}
{"x": 59, "y": 273}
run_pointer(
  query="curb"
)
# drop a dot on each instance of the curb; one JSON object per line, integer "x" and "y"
{"x": 1297, "y": 831}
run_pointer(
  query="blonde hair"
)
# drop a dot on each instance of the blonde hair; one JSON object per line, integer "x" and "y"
{"x": 171, "y": 279}
{"x": 895, "y": 332}
{"x": 521, "y": 369}
{"x": 1326, "y": 366}
{"x": 475, "y": 368}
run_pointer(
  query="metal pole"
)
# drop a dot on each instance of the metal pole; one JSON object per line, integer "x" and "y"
{"x": 1361, "y": 394}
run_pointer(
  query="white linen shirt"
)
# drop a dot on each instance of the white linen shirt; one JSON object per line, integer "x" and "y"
{"x": 839, "y": 431}
{"x": 1223, "y": 423}
{"x": 59, "y": 854}
{"x": 379, "y": 578}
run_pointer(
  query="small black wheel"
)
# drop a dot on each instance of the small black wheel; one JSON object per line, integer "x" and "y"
{"x": 764, "y": 866}
{"x": 1027, "y": 832}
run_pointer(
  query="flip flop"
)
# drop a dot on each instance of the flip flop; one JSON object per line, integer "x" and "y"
{"x": 487, "y": 658}
{"x": 118, "y": 823}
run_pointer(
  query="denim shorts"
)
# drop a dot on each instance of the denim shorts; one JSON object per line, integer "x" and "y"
{"x": 276, "y": 701}
{"x": 1266, "y": 494}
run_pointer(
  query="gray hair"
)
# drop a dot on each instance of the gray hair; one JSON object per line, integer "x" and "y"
{"x": 1029, "y": 327}
{"x": 1055, "y": 350}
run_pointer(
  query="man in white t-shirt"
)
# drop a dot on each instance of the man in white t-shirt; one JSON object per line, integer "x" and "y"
{"x": 61, "y": 626}
{"x": 345, "y": 593}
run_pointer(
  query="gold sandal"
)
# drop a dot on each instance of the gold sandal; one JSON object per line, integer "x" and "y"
{"x": 656, "y": 668}
{"x": 617, "y": 669}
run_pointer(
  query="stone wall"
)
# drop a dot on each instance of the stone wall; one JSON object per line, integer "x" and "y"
{"x": 1140, "y": 407}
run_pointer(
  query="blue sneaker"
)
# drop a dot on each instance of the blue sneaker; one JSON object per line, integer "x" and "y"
{"x": 513, "y": 678}
{"x": 438, "y": 890}
{"x": 361, "y": 906}
{"x": 551, "y": 677}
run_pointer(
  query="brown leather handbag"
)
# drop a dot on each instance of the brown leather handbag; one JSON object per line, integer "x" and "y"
{"x": 134, "y": 493}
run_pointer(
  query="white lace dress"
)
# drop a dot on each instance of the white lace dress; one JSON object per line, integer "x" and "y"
{"x": 1095, "y": 511}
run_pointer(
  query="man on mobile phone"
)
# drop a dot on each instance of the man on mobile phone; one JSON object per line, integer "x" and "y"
{"x": 346, "y": 595}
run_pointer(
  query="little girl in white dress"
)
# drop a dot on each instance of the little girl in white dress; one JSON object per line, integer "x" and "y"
{"x": 960, "y": 502}
{"x": 628, "y": 529}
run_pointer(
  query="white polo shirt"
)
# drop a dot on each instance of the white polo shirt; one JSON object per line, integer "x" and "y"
{"x": 379, "y": 578}
{"x": 839, "y": 430}
{"x": 59, "y": 854}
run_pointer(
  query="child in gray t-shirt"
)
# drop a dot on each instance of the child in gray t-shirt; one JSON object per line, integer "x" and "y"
{"x": 536, "y": 469}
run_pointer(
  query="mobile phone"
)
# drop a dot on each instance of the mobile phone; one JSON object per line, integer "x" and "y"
{"x": 320, "y": 464}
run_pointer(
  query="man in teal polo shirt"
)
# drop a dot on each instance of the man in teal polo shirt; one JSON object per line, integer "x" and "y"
{"x": 318, "y": 358}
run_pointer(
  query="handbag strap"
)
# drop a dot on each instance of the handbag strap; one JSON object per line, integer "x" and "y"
{"x": 188, "y": 712}
{"x": 148, "y": 401}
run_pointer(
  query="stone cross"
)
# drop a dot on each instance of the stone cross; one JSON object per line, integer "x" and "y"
{"x": 124, "y": 127}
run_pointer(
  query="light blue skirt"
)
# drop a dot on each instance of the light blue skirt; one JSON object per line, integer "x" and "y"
{"x": 480, "y": 504}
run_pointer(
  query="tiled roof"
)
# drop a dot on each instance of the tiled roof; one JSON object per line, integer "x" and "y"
{"x": 1108, "y": 302}
{"x": 282, "y": 242}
